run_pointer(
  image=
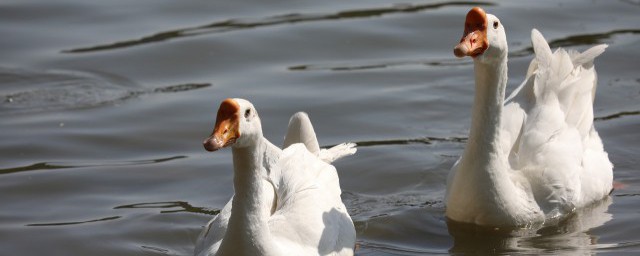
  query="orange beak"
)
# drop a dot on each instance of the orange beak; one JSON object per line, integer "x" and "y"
{"x": 474, "y": 40}
{"x": 227, "y": 126}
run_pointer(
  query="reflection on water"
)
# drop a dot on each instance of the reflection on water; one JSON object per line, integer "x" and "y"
{"x": 569, "y": 236}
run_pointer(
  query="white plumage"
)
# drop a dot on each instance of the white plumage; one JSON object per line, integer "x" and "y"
{"x": 536, "y": 156}
{"x": 286, "y": 202}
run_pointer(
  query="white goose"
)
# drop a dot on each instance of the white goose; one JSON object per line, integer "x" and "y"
{"x": 536, "y": 157}
{"x": 286, "y": 202}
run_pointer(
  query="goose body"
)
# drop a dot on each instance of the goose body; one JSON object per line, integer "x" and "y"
{"x": 536, "y": 156}
{"x": 286, "y": 201}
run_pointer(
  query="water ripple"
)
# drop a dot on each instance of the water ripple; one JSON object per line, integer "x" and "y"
{"x": 29, "y": 91}
{"x": 155, "y": 249}
{"x": 180, "y": 205}
{"x": 397, "y": 250}
{"x": 34, "y": 167}
{"x": 379, "y": 65}
{"x": 570, "y": 41}
{"x": 53, "y": 166}
{"x": 76, "y": 96}
{"x": 241, "y": 24}
{"x": 617, "y": 115}
{"x": 364, "y": 207}
{"x": 73, "y": 222}
{"x": 627, "y": 195}
{"x": 423, "y": 140}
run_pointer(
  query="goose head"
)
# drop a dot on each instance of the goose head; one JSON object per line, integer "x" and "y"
{"x": 237, "y": 125}
{"x": 484, "y": 38}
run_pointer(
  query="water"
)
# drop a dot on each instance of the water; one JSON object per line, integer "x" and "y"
{"x": 104, "y": 105}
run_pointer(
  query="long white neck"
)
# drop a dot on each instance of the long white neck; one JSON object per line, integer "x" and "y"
{"x": 483, "y": 189}
{"x": 483, "y": 146}
{"x": 248, "y": 231}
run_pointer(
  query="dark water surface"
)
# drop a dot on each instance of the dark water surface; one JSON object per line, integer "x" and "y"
{"x": 104, "y": 105}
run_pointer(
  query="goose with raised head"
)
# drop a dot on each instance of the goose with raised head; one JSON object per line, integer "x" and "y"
{"x": 286, "y": 201}
{"x": 536, "y": 156}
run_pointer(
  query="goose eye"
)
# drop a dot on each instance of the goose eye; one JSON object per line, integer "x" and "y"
{"x": 495, "y": 24}
{"x": 247, "y": 113}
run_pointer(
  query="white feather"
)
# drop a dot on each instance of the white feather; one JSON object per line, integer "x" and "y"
{"x": 300, "y": 130}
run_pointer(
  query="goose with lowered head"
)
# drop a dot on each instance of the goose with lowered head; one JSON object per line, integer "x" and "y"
{"x": 536, "y": 156}
{"x": 287, "y": 201}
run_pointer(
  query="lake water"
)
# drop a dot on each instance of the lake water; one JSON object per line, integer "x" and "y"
{"x": 104, "y": 106}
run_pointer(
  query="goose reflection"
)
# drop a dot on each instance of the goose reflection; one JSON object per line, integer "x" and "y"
{"x": 568, "y": 236}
